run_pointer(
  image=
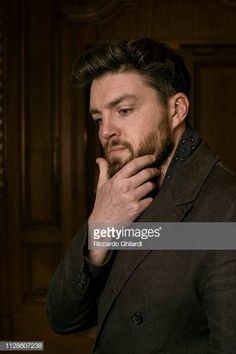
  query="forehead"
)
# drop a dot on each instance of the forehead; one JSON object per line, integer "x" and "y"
{"x": 112, "y": 85}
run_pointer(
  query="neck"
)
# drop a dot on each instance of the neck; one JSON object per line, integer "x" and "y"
{"x": 177, "y": 135}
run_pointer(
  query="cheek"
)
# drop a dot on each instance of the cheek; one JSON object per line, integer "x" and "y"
{"x": 148, "y": 124}
{"x": 144, "y": 130}
{"x": 102, "y": 141}
{"x": 133, "y": 136}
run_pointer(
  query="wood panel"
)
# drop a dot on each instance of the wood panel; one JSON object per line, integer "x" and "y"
{"x": 215, "y": 107}
{"x": 2, "y": 170}
{"x": 94, "y": 11}
{"x": 213, "y": 69}
{"x": 39, "y": 120}
{"x": 41, "y": 163}
{"x": 49, "y": 154}
{"x": 5, "y": 318}
{"x": 40, "y": 260}
{"x": 177, "y": 21}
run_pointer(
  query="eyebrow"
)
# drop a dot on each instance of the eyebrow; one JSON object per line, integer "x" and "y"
{"x": 114, "y": 103}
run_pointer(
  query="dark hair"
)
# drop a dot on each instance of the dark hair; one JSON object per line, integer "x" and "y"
{"x": 161, "y": 67}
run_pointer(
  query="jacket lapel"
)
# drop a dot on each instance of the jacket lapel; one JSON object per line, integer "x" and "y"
{"x": 173, "y": 202}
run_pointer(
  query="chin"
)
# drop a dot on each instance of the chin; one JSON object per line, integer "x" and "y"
{"x": 116, "y": 165}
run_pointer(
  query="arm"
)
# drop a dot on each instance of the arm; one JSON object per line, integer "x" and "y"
{"x": 74, "y": 288}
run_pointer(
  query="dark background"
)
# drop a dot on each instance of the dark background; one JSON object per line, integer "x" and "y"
{"x": 48, "y": 145}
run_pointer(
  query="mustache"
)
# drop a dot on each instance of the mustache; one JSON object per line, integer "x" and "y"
{"x": 117, "y": 142}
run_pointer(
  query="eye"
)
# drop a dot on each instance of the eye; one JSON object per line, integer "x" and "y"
{"x": 98, "y": 121}
{"x": 125, "y": 111}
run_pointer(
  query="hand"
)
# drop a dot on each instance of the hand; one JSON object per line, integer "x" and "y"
{"x": 121, "y": 199}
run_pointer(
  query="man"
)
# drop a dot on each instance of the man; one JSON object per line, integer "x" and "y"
{"x": 156, "y": 168}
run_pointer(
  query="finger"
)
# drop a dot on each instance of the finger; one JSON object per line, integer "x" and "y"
{"x": 103, "y": 171}
{"x": 135, "y": 165}
{"x": 144, "y": 203}
{"x": 144, "y": 189}
{"x": 144, "y": 175}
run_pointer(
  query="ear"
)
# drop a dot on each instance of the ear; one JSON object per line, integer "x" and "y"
{"x": 178, "y": 109}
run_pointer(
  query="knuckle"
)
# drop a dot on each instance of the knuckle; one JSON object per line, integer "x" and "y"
{"x": 124, "y": 187}
{"x": 135, "y": 207}
{"x": 135, "y": 164}
{"x": 149, "y": 158}
{"x": 156, "y": 171}
{"x": 146, "y": 203}
{"x": 132, "y": 198}
{"x": 148, "y": 173}
{"x": 153, "y": 172}
{"x": 150, "y": 185}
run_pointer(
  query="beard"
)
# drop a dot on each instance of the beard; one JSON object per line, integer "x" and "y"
{"x": 158, "y": 143}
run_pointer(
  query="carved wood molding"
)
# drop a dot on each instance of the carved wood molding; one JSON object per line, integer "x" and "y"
{"x": 94, "y": 11}
{"x": 1, "y": 110}
{"x": 29, "y": 208}
{"x": 213, "y": 49}
{"x": 229, "y": 3}
{"x": 4, "y": 311}
{"x": 36, "y": 274}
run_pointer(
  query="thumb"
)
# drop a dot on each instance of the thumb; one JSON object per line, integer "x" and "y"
{"x": 103, "y": 171}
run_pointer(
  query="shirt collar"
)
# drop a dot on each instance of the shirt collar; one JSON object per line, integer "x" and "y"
{"x": 189, "y": 141}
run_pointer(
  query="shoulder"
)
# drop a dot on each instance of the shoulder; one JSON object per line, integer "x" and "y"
{"x": 222, "y": 180}
{"x": 217, "y": 197}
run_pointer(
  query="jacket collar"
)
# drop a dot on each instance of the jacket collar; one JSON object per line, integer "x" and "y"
{"x": 178, "y": 193}
{"x": 188, "y": 181}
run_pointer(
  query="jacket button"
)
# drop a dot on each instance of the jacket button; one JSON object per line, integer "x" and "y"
{"x": 137, "y": 318}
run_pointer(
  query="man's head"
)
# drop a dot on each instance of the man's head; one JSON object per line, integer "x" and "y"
{"x": 138, "y": 96}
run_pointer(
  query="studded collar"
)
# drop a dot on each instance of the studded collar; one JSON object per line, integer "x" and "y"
{"x": 189, "y": 141}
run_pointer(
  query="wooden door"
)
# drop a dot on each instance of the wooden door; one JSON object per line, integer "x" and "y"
{"x": 40, "y": 166}
{"x": 48, "y": 145}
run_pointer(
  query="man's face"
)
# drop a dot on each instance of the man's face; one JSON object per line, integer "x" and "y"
{"x": 131, "y": 118}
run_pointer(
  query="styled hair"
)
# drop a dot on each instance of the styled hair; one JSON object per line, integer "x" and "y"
{"x": 160, "y": 66}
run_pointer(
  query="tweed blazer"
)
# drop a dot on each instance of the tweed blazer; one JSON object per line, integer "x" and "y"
{"x": 148, "y": 302}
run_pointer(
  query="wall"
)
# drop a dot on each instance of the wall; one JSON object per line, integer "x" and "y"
{"x": 48, "y": 145}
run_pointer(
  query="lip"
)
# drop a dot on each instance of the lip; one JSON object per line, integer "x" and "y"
{"x": 116, "y": 148}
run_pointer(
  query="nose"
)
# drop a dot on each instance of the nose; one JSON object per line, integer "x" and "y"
{"x": 108, "y": 129}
